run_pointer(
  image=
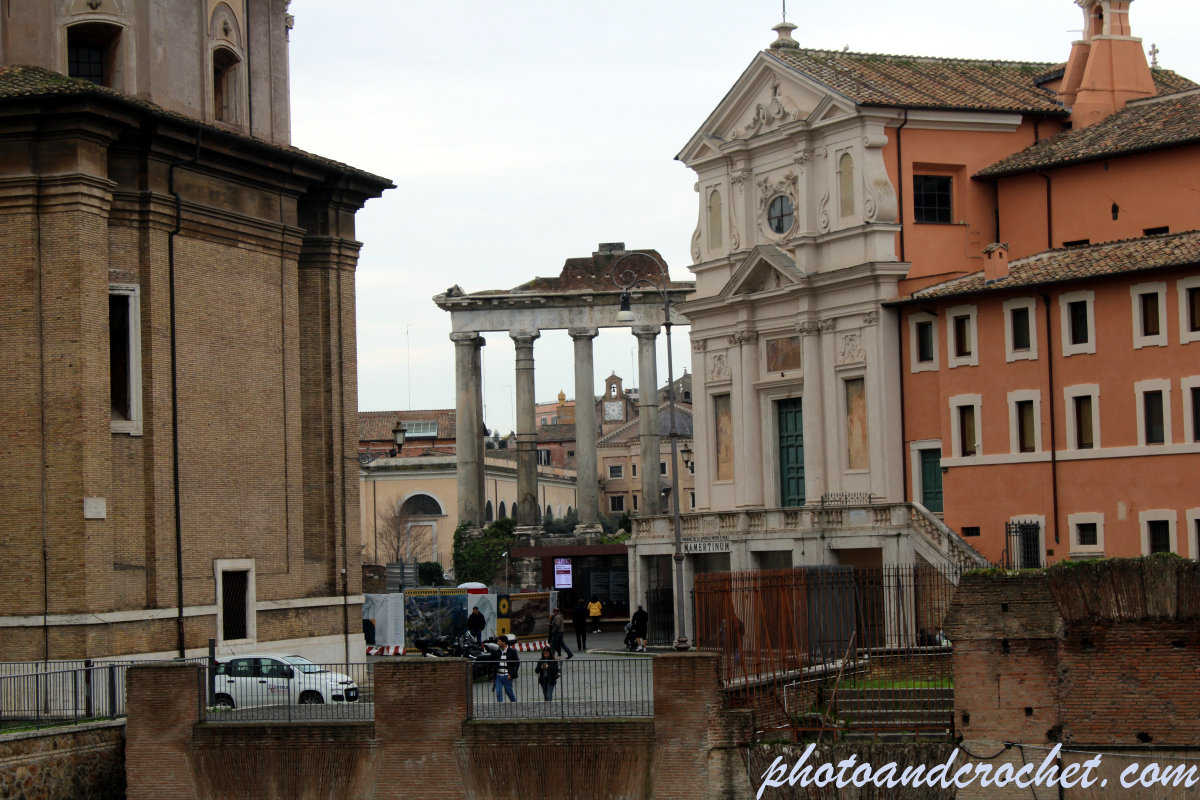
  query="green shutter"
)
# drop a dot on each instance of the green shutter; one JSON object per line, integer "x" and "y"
{"x": 931, "y": 479}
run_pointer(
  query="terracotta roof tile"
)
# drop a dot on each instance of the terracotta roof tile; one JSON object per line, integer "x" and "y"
{"x": 948, "y": 83}
{"x": 28, "y": 81}
{"x": 376, "y": 426}
{"x": 918, "y": 82}
{"x": 1169, "y": 121}
{"x": 564, "y": 432}
{"x": 1075, "y": 263}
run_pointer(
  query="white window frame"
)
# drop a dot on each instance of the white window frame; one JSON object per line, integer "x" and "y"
{"x": 1191, "y": 516}
{"x": 1091, "y": 390}
{"x": 1087, "y": 550}
{"x": 222, "y": 565}
{"x": 611, "y": 502}
{"x": 953, "y": 360}
{"x": 428, "y": 428}
{"x": 976, "y": 401}
{"x": 1135, "y": 293}
{"x": 620, "y": 468}
{"x": 914, "y": 346}
{"x": 1064, "y": 302}
{"x": 1158, "y": 515}
{"x": 1186, "y": 336}
{"x": 1140, "y": 388}
{"x": 1010, "y": 355}
{"x": 1014, "y": 431}
{"x": 1189, "y": 413}
{"x": 133, "y": 425}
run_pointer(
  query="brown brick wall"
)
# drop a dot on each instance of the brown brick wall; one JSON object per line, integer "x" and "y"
{"x": 163, "y": 705}
{"x": 687, "y": 700}
{"x": 256, "y": 378}
{"x": 1100, "y": 654}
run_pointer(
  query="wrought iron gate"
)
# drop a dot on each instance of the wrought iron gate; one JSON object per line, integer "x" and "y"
{"x": 660, "y": 604}
{"x": 1023, "y": 546}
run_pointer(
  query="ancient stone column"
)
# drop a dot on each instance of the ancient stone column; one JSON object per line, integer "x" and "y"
{"x": 587, "y": 486}
{"x": 648, "y": 420}
{"x": 527, "y": 494}
{"x": 750, "y": 438}
{"x": 468, "y": 427}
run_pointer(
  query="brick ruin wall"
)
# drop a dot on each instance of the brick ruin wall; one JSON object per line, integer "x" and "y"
{"x": 1104, "y": 653}
{"x": 83, "y": 762}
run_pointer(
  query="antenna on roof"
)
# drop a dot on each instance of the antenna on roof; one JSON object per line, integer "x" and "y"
{"x": 785, "y": 10}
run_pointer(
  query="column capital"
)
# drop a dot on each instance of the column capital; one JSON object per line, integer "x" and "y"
{"x": 646, "y": 331}
{"x": 583, "y": 333}
{"x": 743, "y": 337}
{"x": 465, "y": 339}
{"x": 517, "y": 336}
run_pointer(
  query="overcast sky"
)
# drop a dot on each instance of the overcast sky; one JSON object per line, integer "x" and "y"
{"x": 526, "y": 132}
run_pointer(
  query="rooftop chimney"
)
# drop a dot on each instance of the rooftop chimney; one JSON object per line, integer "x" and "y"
{"x": 1107, "y": 67}
{"x": 995, "y": 262}
{"x": 610, "y": 247}
{"x": 785, "y": 40}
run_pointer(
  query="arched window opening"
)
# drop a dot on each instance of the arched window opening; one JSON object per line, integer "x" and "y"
{"x": 568, "y": 511}
{"x": 487, "y": 512}
{"x": 846, "y": 183}
{"x": 225, "y": 67}
{"x": 549, "y": 513}
{"x": 422, "y": 505}
{"x": 503, "y": 513}
{"x": 1098, "y": 21}
{"x": 90, "y": 52}
{"x": 715, "y": 233}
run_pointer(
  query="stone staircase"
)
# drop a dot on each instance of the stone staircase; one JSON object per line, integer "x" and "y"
{"x": 929, "y": 710}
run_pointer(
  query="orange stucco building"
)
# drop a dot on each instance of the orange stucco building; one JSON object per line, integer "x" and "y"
{"x": 1050, "y": 323}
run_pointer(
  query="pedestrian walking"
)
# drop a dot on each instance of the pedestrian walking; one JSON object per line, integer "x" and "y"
{"x": 508, "y": 663}
{"x": 594, "y": 609}
{"x": 579, "y": 618}
{"x": 557, "y": 627}
{"x": 640, "y": 621}
{"x": 475, "y": 624}
{"x": 547, "y": 672}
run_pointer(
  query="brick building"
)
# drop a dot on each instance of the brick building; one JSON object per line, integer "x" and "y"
{"x": 427, "y": 431}
{"x": 178, "y": 437}
{"x": 620, "y": 463}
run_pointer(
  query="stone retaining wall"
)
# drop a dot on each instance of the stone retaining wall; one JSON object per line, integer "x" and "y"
{"x": 82, "y": 762}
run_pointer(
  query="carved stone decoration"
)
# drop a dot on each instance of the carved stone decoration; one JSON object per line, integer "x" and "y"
{"x": 698, "y": 345}
{"x": 800, "y": 158}
{"x": 94, "y": 4}
{"x": 743, "y": 337}
{"x": 827, "y": 325}
{"x": 696, "y": 246}
{"x": 809, "y": 328}
{"x": 766, "y": 192}
{"x": 737, "y": 179}
{"x": 850, "y": 349}
{"x": 874, "y": 140}
{"x": 870, "y": 318}
{"x": 780, "y": 108}
{"x": 822, "y": 151}
{"x": 719, "y": 371}
{"x": 289, "y": 23}
{"x": 226, "y": 27}
{"x": 823, "y": 221}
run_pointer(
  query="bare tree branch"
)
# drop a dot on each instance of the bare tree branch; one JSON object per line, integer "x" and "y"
{"x": 399, "y": 538}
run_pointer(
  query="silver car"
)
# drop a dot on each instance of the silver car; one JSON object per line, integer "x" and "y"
{"x": 275, "y": 679}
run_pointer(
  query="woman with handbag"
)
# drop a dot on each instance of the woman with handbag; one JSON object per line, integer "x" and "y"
{"x": 548, "y": 671}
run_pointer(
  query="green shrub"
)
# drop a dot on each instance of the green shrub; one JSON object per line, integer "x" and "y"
{"x": 476, "y": 558}
{"x": 429, "y": 573}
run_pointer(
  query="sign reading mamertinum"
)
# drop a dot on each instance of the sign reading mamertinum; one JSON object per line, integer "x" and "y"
{"x": 706, "y": 544}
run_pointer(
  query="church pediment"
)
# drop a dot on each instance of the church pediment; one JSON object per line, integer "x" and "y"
{"x": 765, "y": 269}
{"x": 768, "y": 96}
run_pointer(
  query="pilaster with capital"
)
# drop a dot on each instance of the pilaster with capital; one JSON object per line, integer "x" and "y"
{"x": 749, "y": 490}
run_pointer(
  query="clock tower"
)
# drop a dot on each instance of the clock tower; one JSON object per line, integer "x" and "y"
{"x": 614, "y": 406}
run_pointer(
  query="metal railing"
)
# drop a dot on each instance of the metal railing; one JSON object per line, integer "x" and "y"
{"x": 263, "y": 689}
{"x": 578, "y": 689}
{"x": 832, "y": 649}
{"x": 1022, "y": 546}
{"x": 41, "y": 694}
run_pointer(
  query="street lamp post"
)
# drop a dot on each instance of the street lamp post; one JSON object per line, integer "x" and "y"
{"x": 626, "y": 281}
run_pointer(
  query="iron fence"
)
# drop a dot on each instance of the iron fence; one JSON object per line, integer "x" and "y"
{"x": 832, "y": 649}
{"x": 290, "y": 689}
{"x": 561, "y": 689}
{"x": 1022, "y": 546}
{"x": 39, "y": 694}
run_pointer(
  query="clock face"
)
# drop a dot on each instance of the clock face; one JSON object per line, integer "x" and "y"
{"x": 614, "y": 411}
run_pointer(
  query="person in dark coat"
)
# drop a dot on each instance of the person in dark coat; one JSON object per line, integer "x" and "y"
{"x": 548, "y": 672}
{"x": 579, "y": 618}
{"x": 508, "y": 662}
{"x": 640, "y": 621}
{"x": 475, "y": 624}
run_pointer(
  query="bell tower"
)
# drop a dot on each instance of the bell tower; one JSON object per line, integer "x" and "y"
{"x": 1107, "y": 67}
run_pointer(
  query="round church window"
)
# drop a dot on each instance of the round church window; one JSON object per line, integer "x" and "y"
{"x": 780, "y": 214}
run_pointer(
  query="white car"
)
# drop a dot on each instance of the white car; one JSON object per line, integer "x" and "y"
{"x": 275, "y": 679}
